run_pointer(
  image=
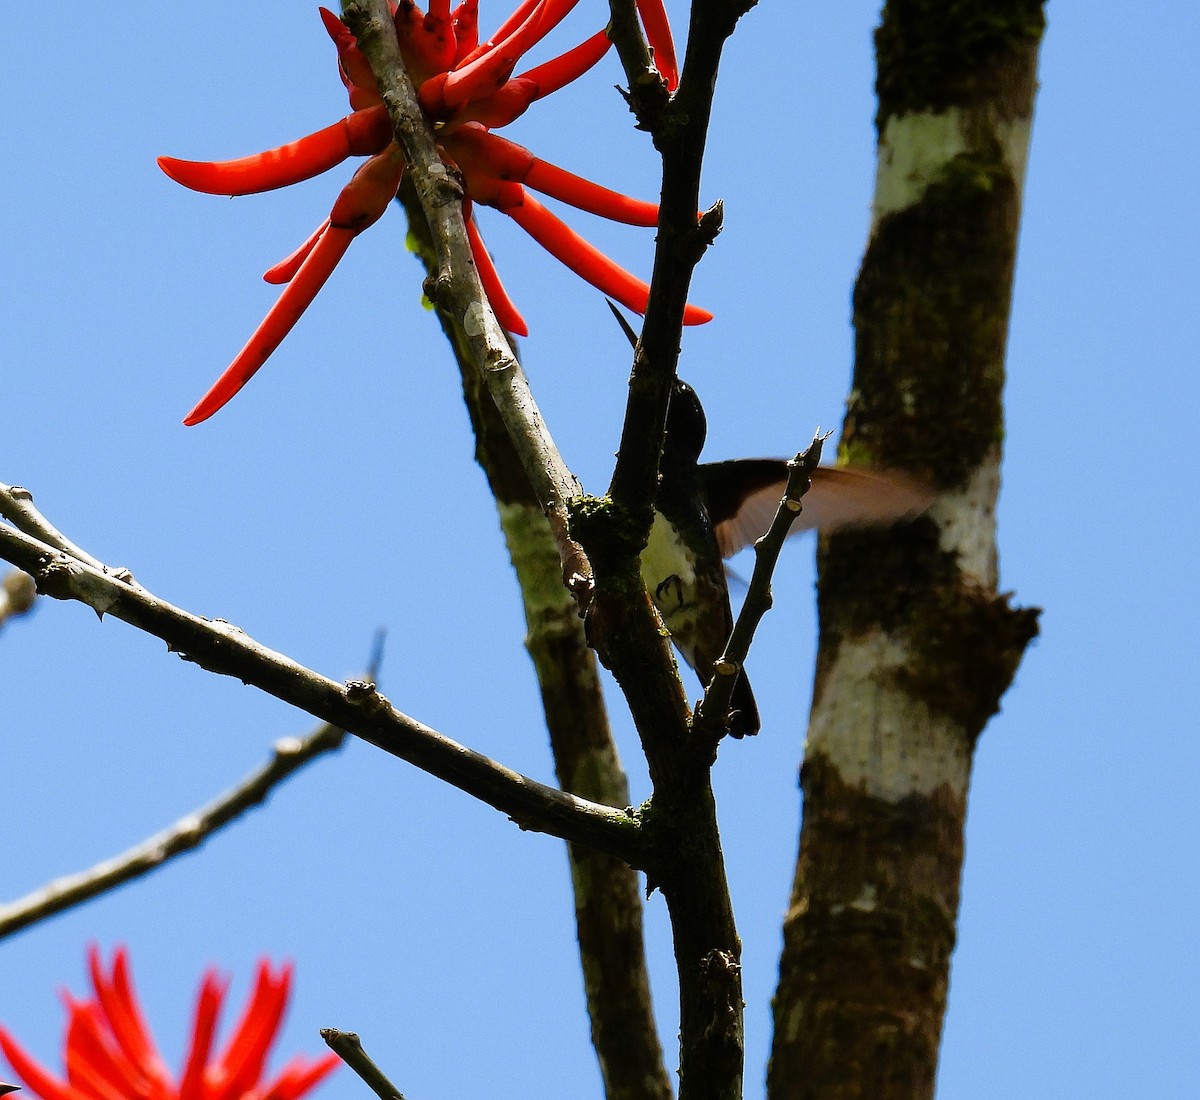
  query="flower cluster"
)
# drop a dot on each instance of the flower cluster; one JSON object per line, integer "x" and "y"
{"x": 110, "y": 1054}
{"x": 466, "y": 89}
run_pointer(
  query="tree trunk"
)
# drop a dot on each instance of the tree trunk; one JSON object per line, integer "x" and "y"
{"x": 916, "y": 647}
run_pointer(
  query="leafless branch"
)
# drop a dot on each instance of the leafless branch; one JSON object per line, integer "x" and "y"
{"x": 455, "y": 288}
{"x": 355, "y": 706}
{"x": 711, "y": 711}
{"x": 688, "y": 865}
{"x": 608, "y": 901}
{"x": 16, "y": 506}
{"x": 680, "y": 132}
{"x": 348, "y": 1047}
{"x": 647, "y": 95}
{"x": 290, "y": 754}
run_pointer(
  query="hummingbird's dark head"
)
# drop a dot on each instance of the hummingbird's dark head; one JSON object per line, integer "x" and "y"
{"x": 686, "y": 426}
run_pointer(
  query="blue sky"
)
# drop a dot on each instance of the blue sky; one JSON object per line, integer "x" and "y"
{"x": 338, "y": 494}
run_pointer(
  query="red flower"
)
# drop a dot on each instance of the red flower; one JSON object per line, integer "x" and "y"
{"x": 111, "y": 1056}
{"x": 466, "y": 88}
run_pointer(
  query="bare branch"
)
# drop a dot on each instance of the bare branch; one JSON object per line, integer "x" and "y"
{"x": 647, "y": 95}
{"x": 713, "y": 708}
{"x": 355, "y": 706}
{"x": 608, "y": 902}
{"x": 16, "y": 506}
{"x": 688, "y": 851}
{"x": 455, "y": 288}
{"x": 680, "y": 133}
{"x": 348, "y": 1047}
{"x": 289, "y": 756}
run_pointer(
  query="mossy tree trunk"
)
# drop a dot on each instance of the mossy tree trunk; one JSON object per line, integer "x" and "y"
{"x": 608, "y": 903}
{"x": 917, "y": 646}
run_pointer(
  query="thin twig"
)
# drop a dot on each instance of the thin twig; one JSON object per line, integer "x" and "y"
{"x": 290, "y": 754}
{"x": 355, "y": 706}
{"x": 680, "y": 132}
{"x": 693, "y": 881}
{"x": 457, "y": 291}
{"x": 16, "y": 506}
{"x": 348, "y": 1047}
{"x": 711, "y": 711}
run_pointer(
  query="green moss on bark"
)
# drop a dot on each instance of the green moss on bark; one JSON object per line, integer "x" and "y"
{"x": 611, "y": 534}
{"x": 965, "y": 642}
{"x": 931, "y": 313}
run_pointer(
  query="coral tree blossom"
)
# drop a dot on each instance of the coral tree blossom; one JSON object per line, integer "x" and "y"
{"x": 466, "y": 89}
{"x": 110, "y": 1055}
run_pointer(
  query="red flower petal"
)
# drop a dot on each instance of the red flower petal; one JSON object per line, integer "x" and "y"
{"x": 427, "y": 42}
{"x": 586, "y": 195}
{"x": 512, "y": 99}
{"x": 487, "y": 73}
{"x": 313, "y": 273}
{"x": 358, "y": 134}
{"x": 94, "y": 1063}
{"x": 479, "y": 152}
{"x": 561, "y": 70}
{"x": 587, "y": 261}
{"x": 299, "y": 1076}
{"x": 283, "y": 271}
{"x": 499, "y": 109}
{"x": 361, "y": 203}
{"x": 36, "y": 1077}
{"x": 242, "y": 1063}
{"x": 364, "y": 199}
{"x": 119, "y": 1005}
{"x": 466, "y": 28}
{"x": 521, "y": 13}
{"x": 355, "y": 69}
{"x": 208, "y": 1009}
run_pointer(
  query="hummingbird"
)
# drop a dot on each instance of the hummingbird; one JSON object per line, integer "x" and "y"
{"x": 706, "y": 512}
{"x": 6, "y": 1089}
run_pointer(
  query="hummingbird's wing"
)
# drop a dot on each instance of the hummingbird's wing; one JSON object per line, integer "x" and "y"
{"x": 743, "y": 495}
